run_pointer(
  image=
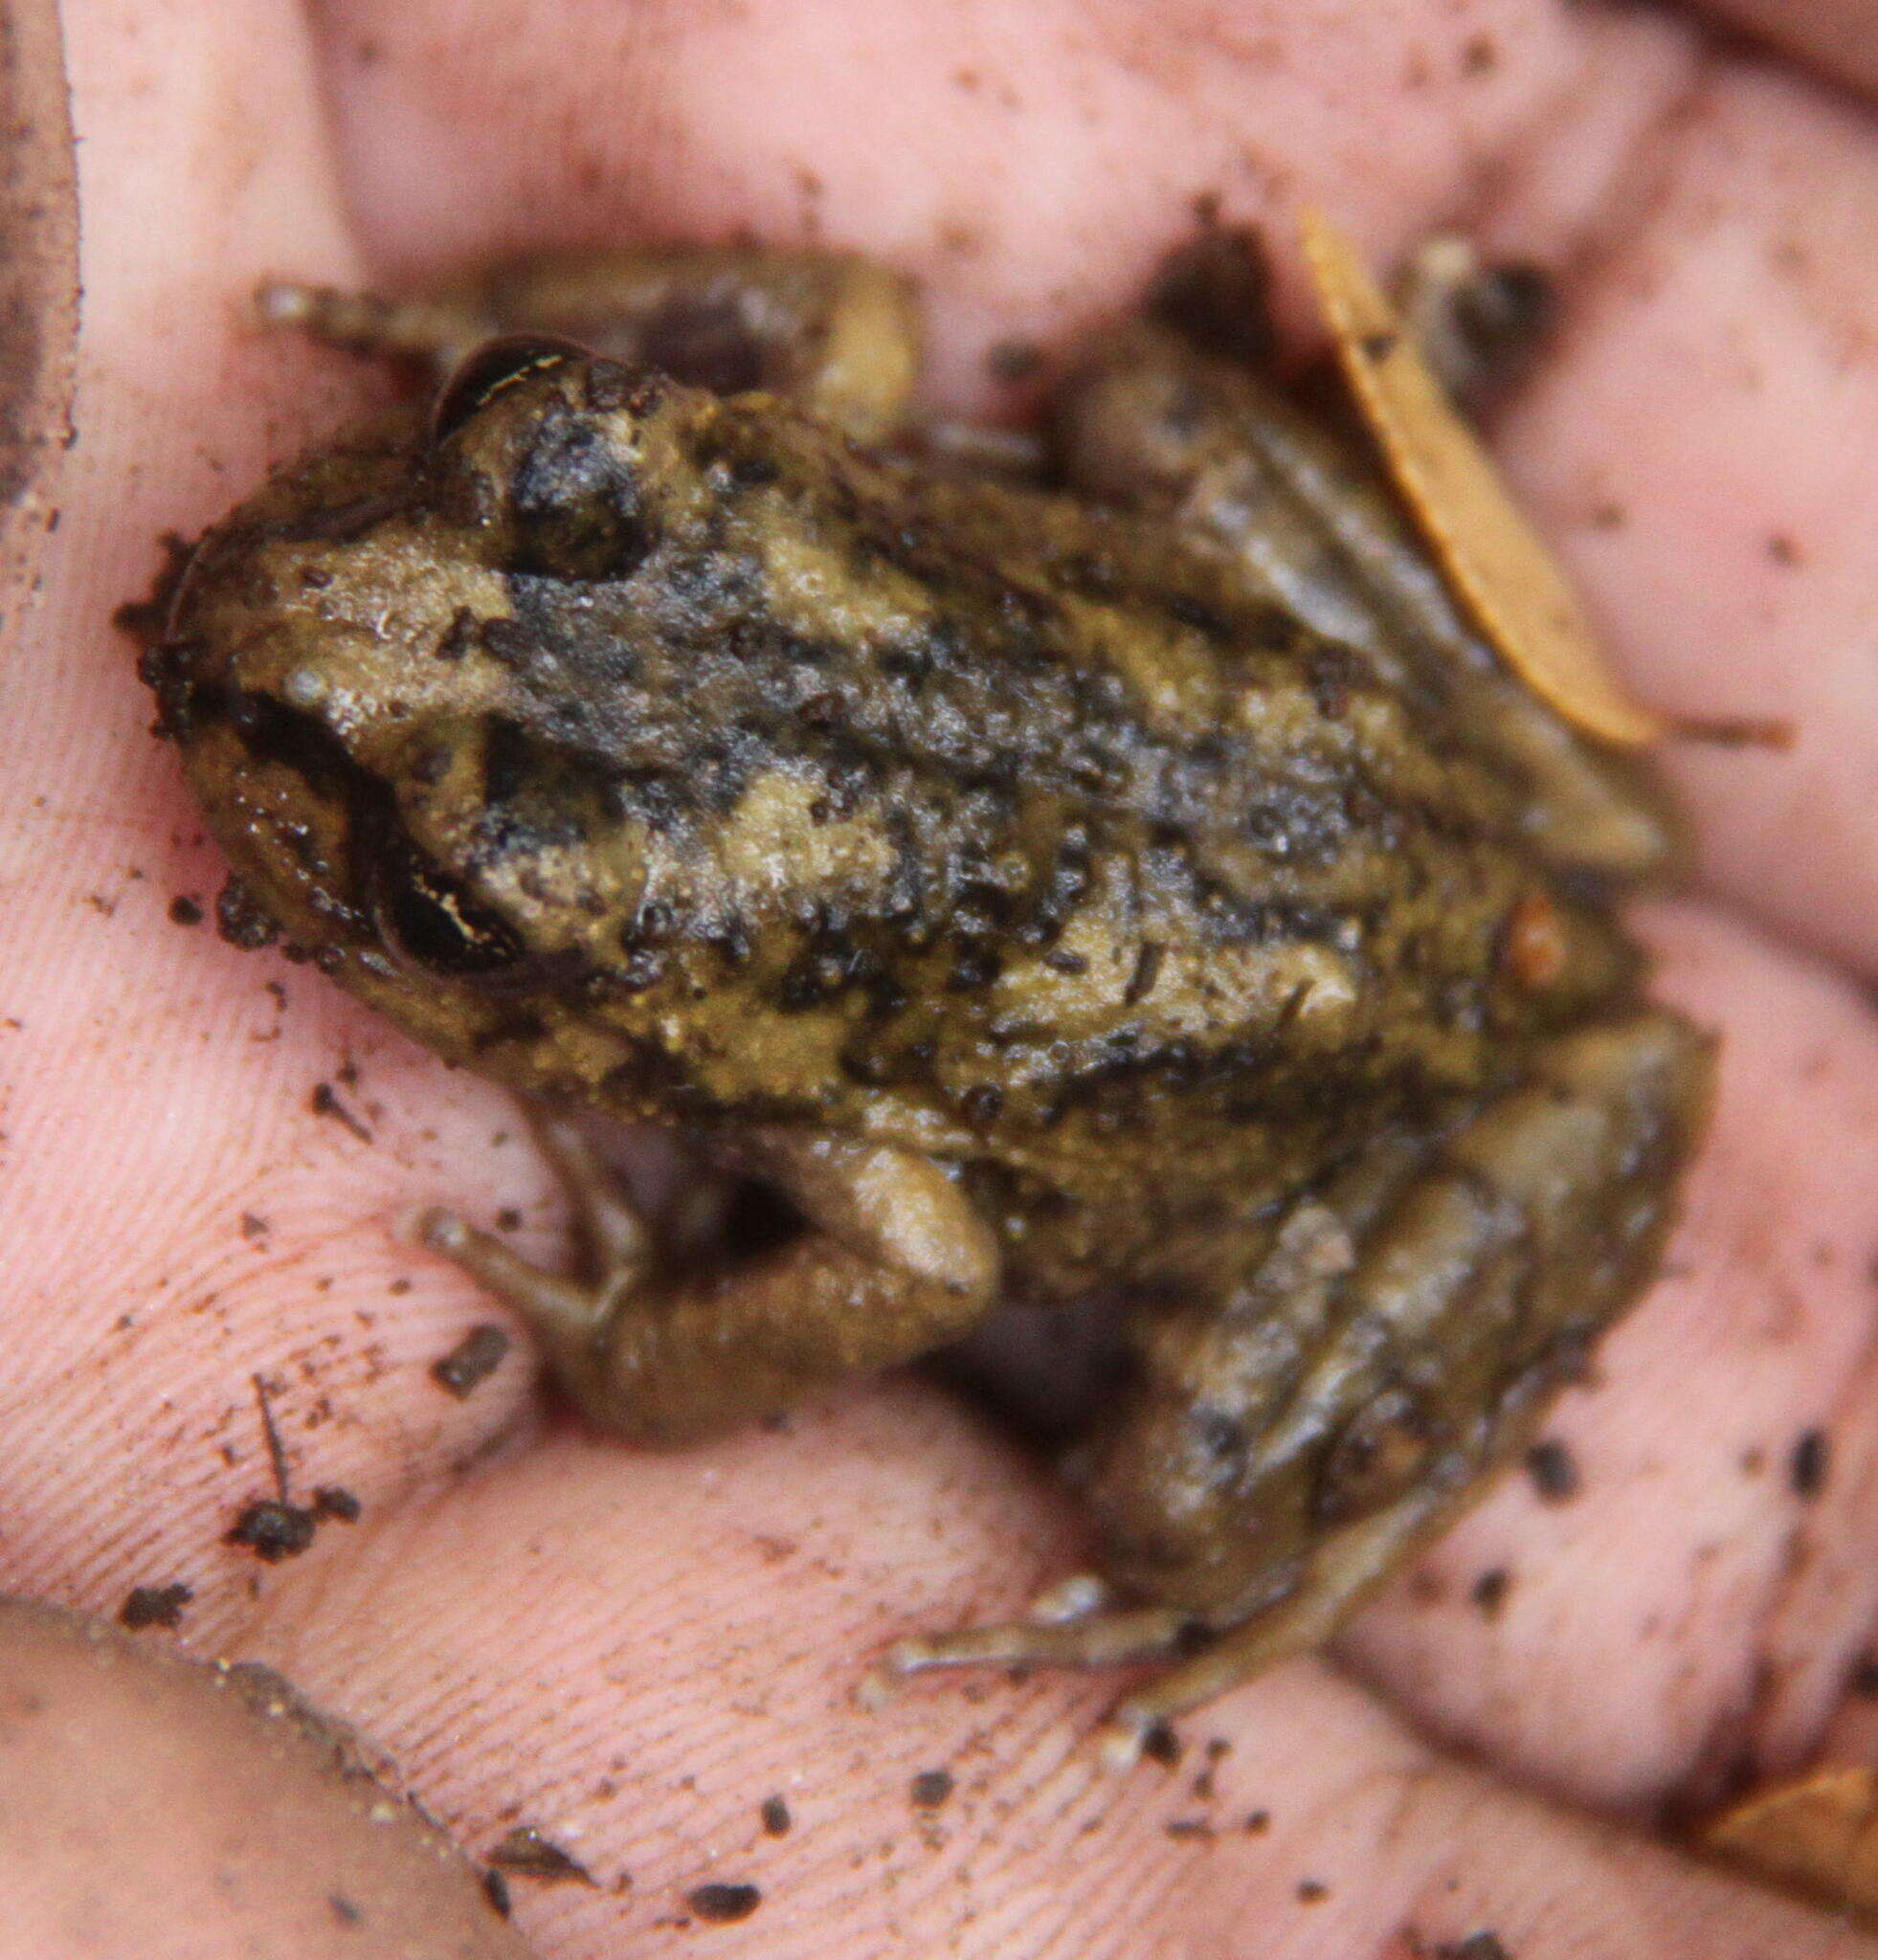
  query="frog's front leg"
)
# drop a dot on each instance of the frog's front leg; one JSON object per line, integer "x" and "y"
{"x": 891, "y": 1260}
{"x": 834, "y": 331}
{"x": 1291, "y": 1441}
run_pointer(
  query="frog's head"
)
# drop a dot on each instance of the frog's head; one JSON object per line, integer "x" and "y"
{"x": 449, "y": 693}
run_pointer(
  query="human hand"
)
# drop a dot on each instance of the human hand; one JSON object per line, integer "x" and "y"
{"x": 632, "y": 1652}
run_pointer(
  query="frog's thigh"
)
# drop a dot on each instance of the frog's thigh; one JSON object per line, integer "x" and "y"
{"x": 1467, "y": 1298}
{"x": 891, "y": 1261}
{"x": 1149, "y": 423}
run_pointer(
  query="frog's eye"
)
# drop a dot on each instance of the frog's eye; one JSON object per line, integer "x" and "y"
{"x": 434, "y": 922}
{"x": 495, "y": 366}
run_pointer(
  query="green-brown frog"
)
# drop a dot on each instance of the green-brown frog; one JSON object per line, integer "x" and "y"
{"x": 1113, "y": 872}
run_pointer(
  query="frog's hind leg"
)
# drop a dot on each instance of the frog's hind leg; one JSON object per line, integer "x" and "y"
{"x": 1169, "y": 417}
{"x": 888, "y": 1262}
{"x": 1200, "y": 1665}
{"x": 1350, "y": 1564}
{"x": 1289, "y": 1449}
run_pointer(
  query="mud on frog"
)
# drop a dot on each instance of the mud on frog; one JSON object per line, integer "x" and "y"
{"x": 1133, "y": 877}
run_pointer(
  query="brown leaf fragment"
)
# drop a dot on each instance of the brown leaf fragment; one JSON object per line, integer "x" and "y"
{"x": 1815, "y": 1835}
{"x": 1508, "y": 581}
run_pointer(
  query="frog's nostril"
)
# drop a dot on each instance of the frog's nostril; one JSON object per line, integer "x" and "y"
{"x": 495, "y": 366}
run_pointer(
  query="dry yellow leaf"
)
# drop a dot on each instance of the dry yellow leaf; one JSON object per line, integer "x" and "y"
{"x": 1815, "y": 1835}
{"x": 1510, "y": 585}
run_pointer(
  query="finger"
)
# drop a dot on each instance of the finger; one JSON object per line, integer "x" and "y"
{"x": 1028, "y": 162}
{"x": 1675, "y": 1610}
{"x": 639, "y": 1696}
{"x": 164, "y": 1809}
{"x": 184, "y": 1208}
{"x": 1704, "y": 447}
{"x": 38, "y": 284}
{"x": 1840, "y": 36}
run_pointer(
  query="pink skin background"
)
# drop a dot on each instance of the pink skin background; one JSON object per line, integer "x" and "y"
{"x": 631, "y": 1652}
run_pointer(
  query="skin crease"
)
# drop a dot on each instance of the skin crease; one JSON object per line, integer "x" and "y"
{"x": 632, "y": 1652}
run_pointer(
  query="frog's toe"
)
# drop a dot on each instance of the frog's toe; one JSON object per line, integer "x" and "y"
{"x": 362, "y": 323}
{"x": 1074, "y": 1623}
{"x": 1076, "y": 1598}
{"x": 545, "y": 1300}
{"x": 617, "y": 1236}
{"x": 1103, "y": 1638}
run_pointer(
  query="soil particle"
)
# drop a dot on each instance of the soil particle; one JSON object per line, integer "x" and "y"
{"x": 721, "y": 1904}
{"x": 154, "y": 1606}
{"x": 273, "y": 1530}
{"x": 324, "y": 1102}
{"x": 1161, "y": 1746}
{"x": 1554, "y": 1471}
{"x": 931, "y": 1788}
{"x": 528, "y": 1853}
{"x": 1480, "y": 1946}
{"x": 472, "y": 1361}
{"x": 1809, "y": 1464}
{"x": 1490, "y": 1590}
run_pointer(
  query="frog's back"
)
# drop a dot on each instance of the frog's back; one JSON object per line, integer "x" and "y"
{"x": 880, "y": 801}
{"x": 1025, "y": 807}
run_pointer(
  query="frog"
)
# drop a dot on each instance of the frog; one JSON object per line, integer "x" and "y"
{"x": 1099, "y": 868}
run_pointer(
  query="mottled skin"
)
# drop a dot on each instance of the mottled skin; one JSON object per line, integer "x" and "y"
{"x": 1138, "y": 879}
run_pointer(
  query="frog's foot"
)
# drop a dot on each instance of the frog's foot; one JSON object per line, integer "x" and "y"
{"x": 617, "y": 1242}
{"x": 889, "y": 1261}
{"x": 1100, "y": 1639}
{"x": 1354, "y": 1563}
{"x": 1073, "y": 1624}
{"x": 1078, "y": 1624}
{"x": 1288, "y": 1446}
{"x": 836, "y": 332}
{"x": 1479, "y": 322}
